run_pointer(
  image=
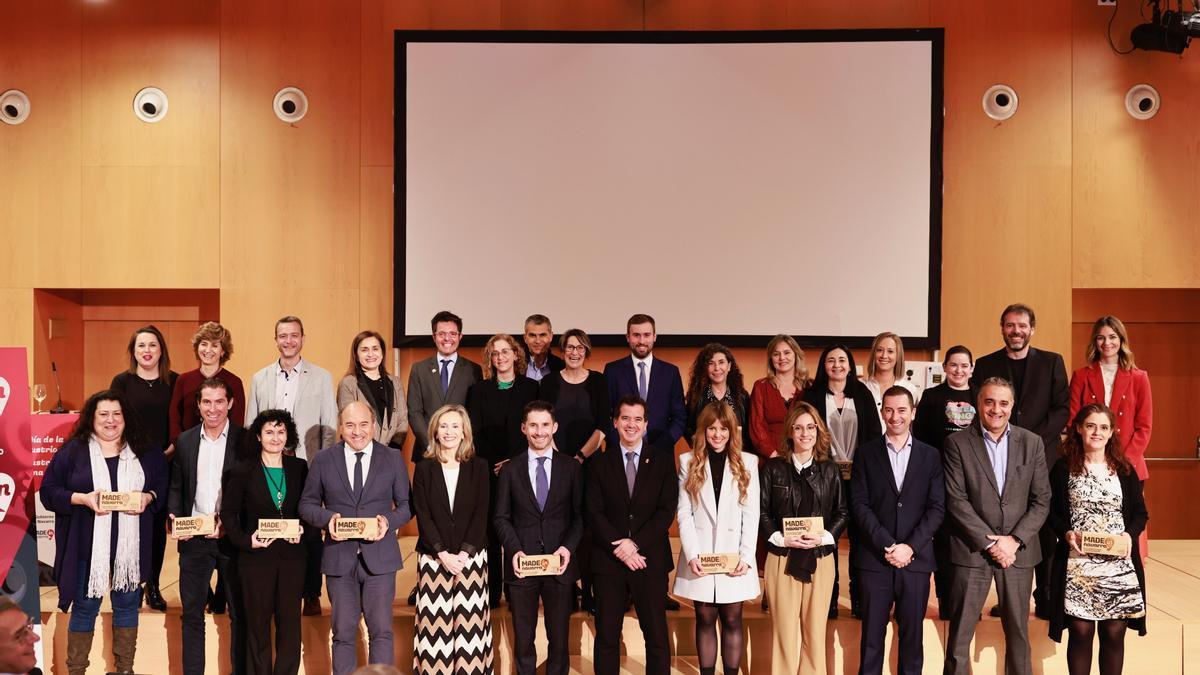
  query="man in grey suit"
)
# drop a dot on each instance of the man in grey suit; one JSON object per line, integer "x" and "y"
{"x": 359, "y": 478}
{"x": 997, "y": 497}
{"x": 306, "y": 391}
{"x": 439, "y": 380}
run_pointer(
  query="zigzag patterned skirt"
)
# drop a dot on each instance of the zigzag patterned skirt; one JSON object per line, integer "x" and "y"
{"x": 454, "y": 624}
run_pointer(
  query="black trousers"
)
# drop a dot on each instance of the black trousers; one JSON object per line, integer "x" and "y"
{"x": 1041, "y": 571}
{"x": 556, "y": 598}
{"x": 158, "y": 546}
{"x": 314, "y": 549}
{"x": 272, "y": 590}
{"x": 198, "y": 559}
{"x": 612, "y": 592}
{"x": 852, "y": 572}
{"x": 909, "y": 592}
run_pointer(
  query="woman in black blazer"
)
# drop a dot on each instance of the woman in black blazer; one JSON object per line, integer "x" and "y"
{"x": 267, "y": 484}
{"x": 451, "y": 500}
{"x": 836, "y": 392}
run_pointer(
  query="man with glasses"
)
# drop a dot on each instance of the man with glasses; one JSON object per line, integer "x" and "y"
{"x": 18, "y": 655}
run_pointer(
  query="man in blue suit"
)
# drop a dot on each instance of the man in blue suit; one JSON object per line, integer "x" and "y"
{"x": 897, "y": 498}
{"x": 359, "y": 478}
{"x": 655, "y": 382}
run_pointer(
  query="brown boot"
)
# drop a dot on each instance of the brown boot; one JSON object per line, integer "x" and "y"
{"x": 79, "y": 645}
{"x": 124, "y": 647}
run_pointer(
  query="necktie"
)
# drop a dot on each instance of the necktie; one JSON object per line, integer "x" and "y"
{"x": 445, "y": 376}
{"x": 630, "y": 470}
{"x": 642, "y": 384}
{"x": 358, "y": 477}
{"x": 542, "y": 481}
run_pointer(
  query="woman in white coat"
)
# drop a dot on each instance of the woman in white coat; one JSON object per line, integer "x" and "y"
{"x": 718, "y": 513}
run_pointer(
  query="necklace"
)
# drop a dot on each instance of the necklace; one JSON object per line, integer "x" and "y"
{"x": 276, "y": 487}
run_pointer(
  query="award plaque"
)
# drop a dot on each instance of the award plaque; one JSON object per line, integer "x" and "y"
{"x": 193, "y": 526}
{"x": 795, "y": 527}
{"x": 719, "y": 563}
{"x": 1103, "y": 543}
{"x": 119, "y": 501}
{"x": 844, "y": 468}
{"x": 538, "y": 565}
{"x": 278, "y": 528}
{"x": 356, "y": 528}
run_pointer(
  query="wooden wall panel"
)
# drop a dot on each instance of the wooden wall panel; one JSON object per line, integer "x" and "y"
{"x": 375, "y": 246}
{"x": 39, "y": 195}
{"x": 717, "y": 15}
{"x": 572, "y": 15}
{"x": 16, "y": 330}
{"x": 64, "y": 348}
{"x": 106, "y": 344}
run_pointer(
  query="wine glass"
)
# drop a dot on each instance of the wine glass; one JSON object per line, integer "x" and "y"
{"x": 39, "y": 395}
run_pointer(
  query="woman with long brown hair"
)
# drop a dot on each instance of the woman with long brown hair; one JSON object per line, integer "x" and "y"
{"x": 367, "y": 379}
{"x": 718, "y": 513}
{"x": 773, "y": 395}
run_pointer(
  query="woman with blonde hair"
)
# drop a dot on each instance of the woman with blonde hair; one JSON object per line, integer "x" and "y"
{"x": 451, "y": 498}
{"x": 801, "y": 481}
{"x": 718, "y": 513}
{"x": 773, "y": 395}
{"x": 885, "y": 369}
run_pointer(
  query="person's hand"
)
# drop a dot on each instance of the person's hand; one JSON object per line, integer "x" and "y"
{"x": 741, "y": 570}
{"x": 218, "y": 530}
{"x": 516, "y": 563}
{"x": 1129, "y": 544}
{"x": 258, "y": 542}
{"x": 899, "y": 555}
{"x": 694, "y": 565}
{"x": 635, "y": 562}
{"x": 171, "y": 525}
{"x": 382, "y": 527}
{"x": 333, "y": 528}
{"x": 809, "y": 541}
{"x": 1004, "y": 551}
{"x": 451, "y": 562}
{"x": 1073, "y": 541}
{"x": 624, "y": 549}
{"x": 792, "y": 542}
{"x": 499, "y": 465}
{"x": 142, "y": 499}
{"x": 564, "y": 558}
{"x": 90, "y": 500}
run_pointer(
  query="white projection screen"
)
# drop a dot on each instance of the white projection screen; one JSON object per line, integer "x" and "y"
{"x": 732, "y": 185}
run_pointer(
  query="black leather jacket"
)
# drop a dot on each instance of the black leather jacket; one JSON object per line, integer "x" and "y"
{"x": 781, "y": 486}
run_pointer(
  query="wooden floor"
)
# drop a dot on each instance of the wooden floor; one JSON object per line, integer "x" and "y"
{"x": 1171, "y": 647}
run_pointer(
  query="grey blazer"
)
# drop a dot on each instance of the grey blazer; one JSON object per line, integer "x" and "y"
{"x": 385, "y": 493}
{"x": 425, "y": 394}
{"x": 974, "y": 506}
{"x": 397, "y": 422}
{"x": 315, "y": 412}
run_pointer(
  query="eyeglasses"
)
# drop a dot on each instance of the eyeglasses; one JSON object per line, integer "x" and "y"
{"x": 575, "y": 348}
{"x": 26, "y": 631}
{"x": 444, "y": 334}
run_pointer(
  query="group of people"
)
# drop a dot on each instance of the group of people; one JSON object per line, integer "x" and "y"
{"x": 552, "y": 484}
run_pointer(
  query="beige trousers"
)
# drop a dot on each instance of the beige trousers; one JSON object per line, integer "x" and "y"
{"x": 800, "y": 612}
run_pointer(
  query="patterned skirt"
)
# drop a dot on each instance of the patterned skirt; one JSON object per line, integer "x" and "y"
{"x": 454, "y": 624}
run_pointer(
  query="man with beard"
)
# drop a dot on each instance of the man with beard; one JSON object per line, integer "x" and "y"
{"x": 653, "y": 380}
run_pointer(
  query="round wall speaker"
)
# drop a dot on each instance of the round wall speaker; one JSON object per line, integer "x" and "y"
{"x": 14, "y": 106}
{"x": 291, "y": 105}
{"x": 1000, "y": 102}
{"x": 150, "y": 105}
{"x": 1142, "y": 101}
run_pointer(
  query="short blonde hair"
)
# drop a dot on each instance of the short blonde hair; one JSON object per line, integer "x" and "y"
{"x": 466, "y": 448}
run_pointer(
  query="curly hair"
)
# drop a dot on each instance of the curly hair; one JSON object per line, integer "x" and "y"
{"x": 824, "y": 441}
{"x": 698, "y": 381}
{"x": 213, "y": 332}
{"x": 1072, "y": 447}
{"x": 134, "y": 435}
{"x": 253, "y": 444}
{"x": 713, "y": 413}
{"x": 489, "y": 349}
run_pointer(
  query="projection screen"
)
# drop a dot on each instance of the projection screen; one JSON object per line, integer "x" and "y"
{"x": 732, "y": 185}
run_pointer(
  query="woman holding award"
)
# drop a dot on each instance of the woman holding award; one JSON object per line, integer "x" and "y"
{"x": 718, "y": 514}
{"x": 104, "y": 486}
{"x": 261, "y": 518}
{"x": 1096, "y": 499}
{"x": 800, "y": 484}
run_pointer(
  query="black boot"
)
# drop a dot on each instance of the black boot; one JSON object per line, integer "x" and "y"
{"x": 154, "y": 599}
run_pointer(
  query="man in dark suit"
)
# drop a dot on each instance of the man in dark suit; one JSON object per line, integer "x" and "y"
{"x": 359, "y": 478}
{"x": 540, "y": 360}
{"x": 654, "y": 381}
{"x": 1042, "y": 404}
{"x": 439, "y": 380}
{"x": 897, "y": 500}
{"x": 997, "y": 498}
{"x": 631, "y": 497}
{"x": 539, "y": 502}
{"x": 202, "y": 456}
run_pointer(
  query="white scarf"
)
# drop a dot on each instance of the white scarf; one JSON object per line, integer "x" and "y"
{"x": 126, "y": 574}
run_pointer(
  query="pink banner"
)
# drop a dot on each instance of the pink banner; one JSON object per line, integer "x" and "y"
{"x": 16, "y": 454}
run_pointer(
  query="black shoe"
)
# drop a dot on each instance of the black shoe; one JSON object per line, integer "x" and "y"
{"x": 312, "y": 607}
{"x": 766, "y": 606}
{"x": 856, "y": 612}
{"x": 833, "y": 612}
{"x": 994, "y": 611}
{"x": 672, "y": 604}
{"x": 154, "y": 599}
{"x": 216, "y": 603}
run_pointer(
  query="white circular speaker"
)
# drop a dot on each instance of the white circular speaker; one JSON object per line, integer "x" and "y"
{"x": 14, "y": 106}
{"x": 1000, "y": 102}
{"x": 291, "y": 105}
{"x": 150, "y": 105}
{"x": 1142, "y": 101}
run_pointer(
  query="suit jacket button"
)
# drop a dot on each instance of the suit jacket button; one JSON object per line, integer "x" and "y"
{"x": 899, "y": 505}
{"x": 631, "y": 516}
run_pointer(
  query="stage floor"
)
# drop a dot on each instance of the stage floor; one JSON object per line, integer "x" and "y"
{"x": 1172, "y": 645}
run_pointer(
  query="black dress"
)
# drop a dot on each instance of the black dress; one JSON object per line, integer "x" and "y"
{"x": 580, "y": 409}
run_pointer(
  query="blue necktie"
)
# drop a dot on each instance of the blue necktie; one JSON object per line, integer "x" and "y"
{"x": 542, "y": 482}
{"x": 642, "y": 384}
{"x": 445, "y": 376}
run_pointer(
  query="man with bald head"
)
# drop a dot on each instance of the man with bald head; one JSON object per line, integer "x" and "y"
{"x": 359, "y": 478}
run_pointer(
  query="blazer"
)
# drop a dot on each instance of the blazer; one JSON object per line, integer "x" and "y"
{"x": 1042, "y": 404}
{"x": 645, "y": 517}
{"x": 865, "y": 409}
{"x": 385, "y": 492}
{"x": 888, "y": 515}
{"x": 496, "y": 417}
{"x": 523, "y": 528}
{"x": 70, "y": 471}
{"x": 782, "y": 491}
{"x": 1131, "y": 402}
{"x": 1133, "y": 512}
{"x": 666, "y": 414}
{"x": 314, "y": 412}
{"x": 396, "y": 429}
{"x": 975, "y": 506}
{"x": 425, "y": 394}
{"x": 707, "y": 526}
{"x": 247, "y": 498}
{"x": 459, "y": 529}
{"x": 183, "y": 469}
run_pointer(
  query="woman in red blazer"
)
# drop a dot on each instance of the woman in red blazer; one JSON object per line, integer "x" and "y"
{"x": 1112, "y": 378}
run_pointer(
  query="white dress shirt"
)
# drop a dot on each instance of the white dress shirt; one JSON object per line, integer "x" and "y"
{"x": 649, "y": 361}
{"x": 351, "y": 460}
{"x": 287, "y": 384}
{"x": 533, "y": 465}
{"x": 453, "y": 359}
{"x": 210, "y": 461}
{"x": 898, "y": 458}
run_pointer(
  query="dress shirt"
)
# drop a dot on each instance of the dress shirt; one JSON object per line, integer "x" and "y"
{"x": 287, "y": 383}
{"x": 533, "y": 465}
{"x": 636, "y": 450}
{"x": 351, "y": 461}
{"x": 210, "y": 460}
{"x": 453, "y": 358}
{"x": 998, "y": 454}
{"x": 776, "y": 537}
{"x": 649, "y": 361}
{"x": 898, "y": 458}
{"x": 536, "y": 373}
